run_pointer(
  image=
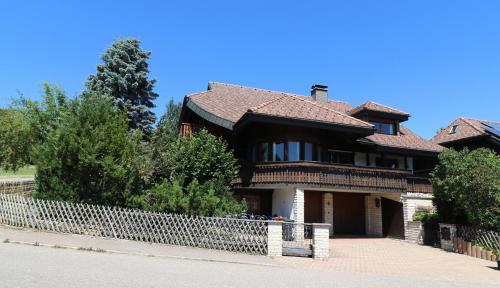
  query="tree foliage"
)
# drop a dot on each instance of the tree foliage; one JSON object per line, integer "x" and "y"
{"x": 466, "y": 187}
{"x": 16, "y": 139}
{"x": 45, "y": 116}
{"x": 197, "y": 181}
{"x": 161, "y": 151}
{"x": 124, "y": 76}
{"x": 27, "y": 124}
{"x": 90, "y": 156}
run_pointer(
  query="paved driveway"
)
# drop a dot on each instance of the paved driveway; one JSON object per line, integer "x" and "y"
{"x": 399, "y": 258}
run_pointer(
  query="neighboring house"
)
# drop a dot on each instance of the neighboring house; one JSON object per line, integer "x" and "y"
{"x": 471, "y": 133}
{"x": 315, "y": 160}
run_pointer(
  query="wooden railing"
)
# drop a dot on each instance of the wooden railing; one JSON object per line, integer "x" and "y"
{"x": 327, "y": 176}
{"x": 188, "y": 129}
{"x": 419, "y": 185}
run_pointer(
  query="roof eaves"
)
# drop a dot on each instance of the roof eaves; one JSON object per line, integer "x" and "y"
{"x": 209, "y": 116}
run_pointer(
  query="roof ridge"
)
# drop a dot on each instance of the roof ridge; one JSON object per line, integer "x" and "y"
{"x": 273, "y": 91}
{"x": 383, "y": 105}
{"x": 253, "y": 109}
{"x": 331, "y": 110}
{"x": 196, "y": 93}
{"x": 389, "y": 107}
{"x": 480, "y": 120}
{"x": 471, "y": 124}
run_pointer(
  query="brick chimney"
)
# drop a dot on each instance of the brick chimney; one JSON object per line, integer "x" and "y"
{"x": 319, "y": 92}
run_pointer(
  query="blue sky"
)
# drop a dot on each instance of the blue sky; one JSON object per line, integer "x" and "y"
{"x": 437, "y": 60}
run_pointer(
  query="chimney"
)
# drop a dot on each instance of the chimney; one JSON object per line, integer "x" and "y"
{"x": 319, "y": 92}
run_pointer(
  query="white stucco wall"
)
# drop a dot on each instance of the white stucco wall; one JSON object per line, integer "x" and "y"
{"x": 289, "y": 202}
{"x": 283, "y": 202}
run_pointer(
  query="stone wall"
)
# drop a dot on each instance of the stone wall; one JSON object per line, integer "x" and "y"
{"x": 446, "y": 234}
{"x": 328, "y": 211}
{"x": 298, "y": 205}
{"x": 411, "y": 203}
{"x": 321, "y": 241}
{"x": 373, "y": 216}
{"x": 274, "y": 239}
{"x": 414, "y": 232}
{"x": 17, "y": 186}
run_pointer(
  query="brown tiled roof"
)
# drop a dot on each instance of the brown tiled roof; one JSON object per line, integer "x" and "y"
{"x": 406, "y": 140}
{"x": 230, "y": 102}
{"x": 372, "y": 106}
{"x": 466, "y": 128}
{"x": 292, "y": 106}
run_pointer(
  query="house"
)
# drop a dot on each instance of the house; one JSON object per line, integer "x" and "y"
{"x": 315, "y": 160}
{"x": 471, "y": 133}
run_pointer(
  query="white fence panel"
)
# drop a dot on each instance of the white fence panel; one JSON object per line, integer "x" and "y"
{"x": 239, "y": 235}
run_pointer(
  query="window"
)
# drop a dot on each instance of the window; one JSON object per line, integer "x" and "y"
{"x": 453, "y": 129}
{"x": 254, "y": 153}
{"x": 253, "y": 203}
{"x": 264, "y": 152}
{"x": 384, "y": 128}
{"x": 279, "y": 151}
{"x": 340, "y": 157}
{"x": 387, "y": 162}
{"x": 308, "y": 151}
{"x": 319, "y": 153}
{"x": 293, "y": 151}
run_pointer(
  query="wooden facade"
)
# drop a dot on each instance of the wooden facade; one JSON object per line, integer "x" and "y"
{"x": 315, "y": 174}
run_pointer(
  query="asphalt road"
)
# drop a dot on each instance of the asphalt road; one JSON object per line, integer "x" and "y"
{"x": 35, "y": 266}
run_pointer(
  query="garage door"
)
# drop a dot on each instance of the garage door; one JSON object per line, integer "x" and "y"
{"x": 348, "y": 214}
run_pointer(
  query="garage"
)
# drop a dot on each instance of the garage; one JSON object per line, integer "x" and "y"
{"x": 349, "y": 214}
{"x": 392, "y": 219}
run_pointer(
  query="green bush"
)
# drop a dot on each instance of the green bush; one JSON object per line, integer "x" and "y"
{"x": 466, "y": 187}
{"x": 90, "y": 156}
{"x": 195, "y": 178}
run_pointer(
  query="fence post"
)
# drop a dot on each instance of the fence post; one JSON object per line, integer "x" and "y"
{"x": 321, "y": 240}
{"x": 446, "y": 234}
{"x": 274, "y": 238}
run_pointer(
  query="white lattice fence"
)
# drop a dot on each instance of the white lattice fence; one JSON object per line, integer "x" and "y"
{"x": 247, "y": 236}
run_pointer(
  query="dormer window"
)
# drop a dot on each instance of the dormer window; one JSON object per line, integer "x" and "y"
{"x": 453, "y": 129}
{"x": 384, "y": 128}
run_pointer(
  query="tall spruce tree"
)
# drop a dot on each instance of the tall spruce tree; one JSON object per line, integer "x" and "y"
{"x": 124, "y": 77}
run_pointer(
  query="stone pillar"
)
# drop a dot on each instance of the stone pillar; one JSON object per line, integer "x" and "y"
{"x": 414, "y": 232}
{"x": 298, "y": 205}
{"x": 328, "y": 210}
{"x": 446, "y": 234}
{"x": 274, "y": 238}
{"x": 373, "y": 215}
{"x": 321, "y": 241}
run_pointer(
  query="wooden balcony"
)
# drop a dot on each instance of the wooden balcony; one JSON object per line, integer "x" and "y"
{"x": 419, "y": 185}
{"x": 322, "y": 175}
{"x": 188, "y": 129}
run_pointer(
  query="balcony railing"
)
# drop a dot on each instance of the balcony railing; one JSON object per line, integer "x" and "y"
{"x": 329, "y": 176}
{"x": 419, "y": 185}
{"x": 188, "y": 129}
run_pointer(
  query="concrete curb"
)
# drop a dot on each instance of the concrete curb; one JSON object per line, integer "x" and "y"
{"x": 99, "y": 250}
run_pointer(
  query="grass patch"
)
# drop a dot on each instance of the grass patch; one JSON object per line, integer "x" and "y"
{"x": 28, "y": 171}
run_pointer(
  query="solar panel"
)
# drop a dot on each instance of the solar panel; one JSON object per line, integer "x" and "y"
{"x": 493, "y": 128}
